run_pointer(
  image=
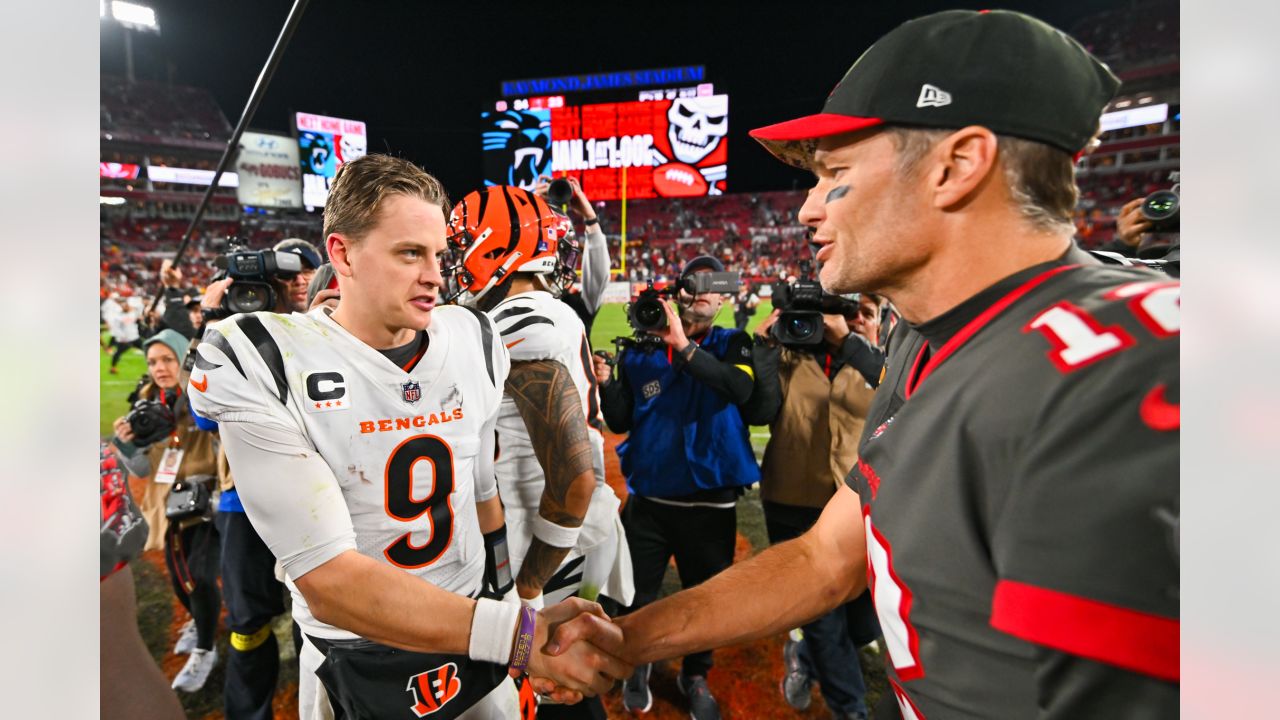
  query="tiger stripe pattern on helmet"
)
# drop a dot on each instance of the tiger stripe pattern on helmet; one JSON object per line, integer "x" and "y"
{"x": 500, "y": 230}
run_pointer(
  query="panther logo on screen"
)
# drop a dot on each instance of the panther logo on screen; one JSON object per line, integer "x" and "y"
{"x": 517, "y": 147}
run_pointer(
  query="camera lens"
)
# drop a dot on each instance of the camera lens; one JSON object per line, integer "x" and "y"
{"x": 559, "y": 192}
{"x": 799, "y": 328}
{"x": 244, "y": 297}
{"x": 649, "y": 314}
{"x": 1160, "y": 205}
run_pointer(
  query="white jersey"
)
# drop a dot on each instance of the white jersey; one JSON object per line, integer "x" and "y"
{"x": 536, "y": 326}
{"x": 293, "y": 390}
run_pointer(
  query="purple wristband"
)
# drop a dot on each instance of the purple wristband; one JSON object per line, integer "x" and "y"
{"x": 522, "y": 647}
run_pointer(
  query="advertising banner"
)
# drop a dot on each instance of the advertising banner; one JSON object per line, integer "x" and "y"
{"x": 324, "y": 144}
{"x": 269, "y": 171}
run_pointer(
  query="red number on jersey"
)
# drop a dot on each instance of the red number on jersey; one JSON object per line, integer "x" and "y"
{"x": 893, "y": 600}
{"x": 403, "y": 506}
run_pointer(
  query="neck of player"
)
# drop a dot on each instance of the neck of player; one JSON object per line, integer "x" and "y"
{"x": 966, "y": 262}
{"x": 370, "y": 329}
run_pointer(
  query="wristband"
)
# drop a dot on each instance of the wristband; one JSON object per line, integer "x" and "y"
{"x": 557, "y": 536}
{"x": 592, "y": 221}
{"x": 522, "y": 645}
{"x": 491, "y": 631}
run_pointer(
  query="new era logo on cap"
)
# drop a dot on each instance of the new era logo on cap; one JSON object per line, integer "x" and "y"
{"x": 931, "y": 96}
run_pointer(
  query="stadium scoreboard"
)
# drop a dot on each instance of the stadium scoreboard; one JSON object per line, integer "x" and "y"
{"x": 671, "y": 141}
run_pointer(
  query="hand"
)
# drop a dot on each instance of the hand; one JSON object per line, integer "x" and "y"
{"x": 602, "y": 369}
{"x": 170, "y": 276}
{"x": 575, "y": 652}
{"x": 673, "y": 333}
{"x": 580, "y": 204}
{"x": 834, "y": 329}
{"x": 1130, "y": 224}
{"x": 327, "y": 297}
{"x": 765, "y": 325}
{"x": 212, "y": 299}
{"x": 123, "y": 430}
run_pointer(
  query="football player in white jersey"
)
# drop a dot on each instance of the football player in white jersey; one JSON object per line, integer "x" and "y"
{"x": 566, "y": 536}
{"x": 328, "y": 418}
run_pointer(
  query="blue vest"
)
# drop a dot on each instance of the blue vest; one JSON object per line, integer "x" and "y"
{"x": 685, "y": 437}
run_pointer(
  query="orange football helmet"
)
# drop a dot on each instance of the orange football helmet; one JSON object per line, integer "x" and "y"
{"x": 501, "y": 230}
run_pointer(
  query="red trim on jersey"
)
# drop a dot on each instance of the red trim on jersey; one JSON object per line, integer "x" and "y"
{"x": 904, "y": 702}
{"x": 1158, "y": 413}
{"x": 869, "y": 473}
{"x": 968, "y": 331}
{"x": 421, "y": 351}
{"x": 1112, "y": 634}
{"x": 922, "y": 357}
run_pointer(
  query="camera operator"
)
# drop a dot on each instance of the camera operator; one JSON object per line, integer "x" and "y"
{"x": 744, "y": 306}
{"x": 253, "y": 594}
{"x": 687, "y": 459}
{"x": 826, "y": 391}
{"x": 159, "y": 439}
{"x": 174, "y": 315}
{"x": 583, "y": 297}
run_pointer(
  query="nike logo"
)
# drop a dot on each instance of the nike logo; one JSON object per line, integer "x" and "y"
{"x": 514, "y": 343}
{"x": 1158, "y": 413}
{"x": 202, "y": 385}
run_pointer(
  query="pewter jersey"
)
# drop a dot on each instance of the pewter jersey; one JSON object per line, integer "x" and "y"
{"x": 1019, "y": 484}
{"x": 536, "y": 326}
{"x": 406, "y": 452}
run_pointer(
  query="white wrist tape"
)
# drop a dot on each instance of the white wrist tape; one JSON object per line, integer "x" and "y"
{"x": 556, "y": 536}
{"x": 493, "y": 628}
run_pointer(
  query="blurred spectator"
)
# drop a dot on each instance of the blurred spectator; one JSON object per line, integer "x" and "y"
{"x": 130, "y": 683}
{"x": 185, "y": 458}
{"x": 123, "y": 325}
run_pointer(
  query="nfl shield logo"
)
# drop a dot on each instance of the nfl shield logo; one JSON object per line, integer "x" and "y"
{"x": 412, "y": 392}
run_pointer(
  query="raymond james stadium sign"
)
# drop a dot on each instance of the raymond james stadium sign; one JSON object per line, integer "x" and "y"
{"x": 604, "y": 81}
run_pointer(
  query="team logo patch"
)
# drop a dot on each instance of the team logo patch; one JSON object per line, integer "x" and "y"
{"x": 651, "y": 389}
{"x": 326, "y": 392}
{"x": 433, "y": 689}
{"x": 411, "y": 391}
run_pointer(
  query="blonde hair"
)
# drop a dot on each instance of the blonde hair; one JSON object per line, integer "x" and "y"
{"x": 360, "y": 186}
{"x": 1041, "y": 179}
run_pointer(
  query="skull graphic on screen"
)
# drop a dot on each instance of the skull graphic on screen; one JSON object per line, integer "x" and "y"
{"x": 697, "y": 125}
{"x": 351, "y": 147}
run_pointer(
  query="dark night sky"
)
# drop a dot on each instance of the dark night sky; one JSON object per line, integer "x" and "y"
{"x": 420, "y": 72}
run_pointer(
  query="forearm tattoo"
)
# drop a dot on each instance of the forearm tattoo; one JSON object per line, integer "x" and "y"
{"x": 549, "y": 403}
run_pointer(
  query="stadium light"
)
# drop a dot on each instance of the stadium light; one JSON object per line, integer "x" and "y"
{"x": 105, "y": 200}
{"x": 134, "y": 16}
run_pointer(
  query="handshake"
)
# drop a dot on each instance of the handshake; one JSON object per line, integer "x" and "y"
{"x": 578, "y": 650}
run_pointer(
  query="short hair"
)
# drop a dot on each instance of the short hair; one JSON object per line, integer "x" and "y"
{"x": 1041, "y": 179}
{"x": 360, "y": 186}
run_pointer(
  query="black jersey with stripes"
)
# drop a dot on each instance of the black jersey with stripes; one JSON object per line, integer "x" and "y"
{"x": 1018, "y": 477}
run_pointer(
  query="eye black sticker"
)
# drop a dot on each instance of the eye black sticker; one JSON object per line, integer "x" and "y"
{"x": 837, "y": 193}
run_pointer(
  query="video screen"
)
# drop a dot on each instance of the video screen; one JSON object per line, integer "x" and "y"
{"x": 324, "y": 144}
{"x": 669, "y": 146}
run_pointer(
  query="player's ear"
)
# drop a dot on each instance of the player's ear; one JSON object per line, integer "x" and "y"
{"x": 339, "y": 247}
{"x": 962, "y": 163}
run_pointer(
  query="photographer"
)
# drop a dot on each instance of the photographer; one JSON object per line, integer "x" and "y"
{"x": 584, "y": 297}
{"x": 253, "y": 594}
{"x": 160, "y": 440}
{"x": 687, "y": 459}
{"x": 826, "y": 390}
